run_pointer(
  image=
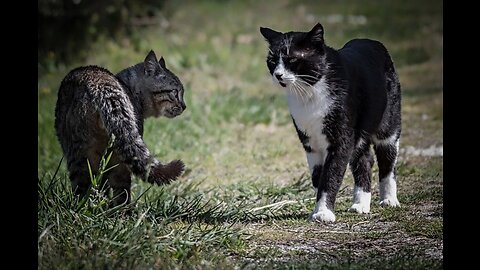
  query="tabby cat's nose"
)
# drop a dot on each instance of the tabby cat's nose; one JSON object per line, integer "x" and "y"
{"x": 279, "y": 76}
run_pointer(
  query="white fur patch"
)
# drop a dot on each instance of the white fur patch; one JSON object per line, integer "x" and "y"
{"x": 388, "y": 141}
{"x": 287, "y": 76}
{"x": 361, "y": 201}
{"x": 315, "y": 158}
{"x": 388, "y": 185}
{"x": 309, "y": 116}
{"x": 360, "y": 143}
{"x": 388, "y": 191}
{"x": 321, "y": 212}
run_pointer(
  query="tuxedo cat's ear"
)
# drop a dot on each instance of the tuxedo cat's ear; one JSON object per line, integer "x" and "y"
{"x": 151, "y": 64}
{"x": 162, "y": 62}
{"x": 269, "y": 34}
{"x": 316, "y": 34}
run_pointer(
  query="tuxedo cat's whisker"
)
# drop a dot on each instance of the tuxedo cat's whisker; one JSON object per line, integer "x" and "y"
{"x": 301, "y": 91}
{"x": 297, "y": 91}
{"x": 294, "y": 91}
{"x": 301, "y": 77}
{"x": 305, "y": 93}
{"x": 291, "y": 88}
{"x": 316, "y": 72}
{"x": 306, "y": 76}
{"x": 305, "y": 82}
{"x": 309, "y": 93}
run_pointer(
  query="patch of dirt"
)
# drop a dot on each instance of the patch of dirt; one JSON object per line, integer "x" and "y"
{"x": 335, "y": 243}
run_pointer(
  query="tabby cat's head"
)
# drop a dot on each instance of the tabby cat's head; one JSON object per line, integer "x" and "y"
{"x": 164, "y": 91}
{"x": 296, "y": 60}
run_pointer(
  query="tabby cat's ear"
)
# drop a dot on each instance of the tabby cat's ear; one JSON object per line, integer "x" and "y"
{"x": 151, "y": 64}
{"x": 162, "y": 62}
{"x": 316, "y": 34}
{"x": 269, "y": 34}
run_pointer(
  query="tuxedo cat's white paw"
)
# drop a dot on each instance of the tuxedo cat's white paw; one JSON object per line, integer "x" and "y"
{"x": 324, "y": 215}
{"x": 360, "y": 208}
{"x": 361, "y": 201}
{"x": 390, "y": 202}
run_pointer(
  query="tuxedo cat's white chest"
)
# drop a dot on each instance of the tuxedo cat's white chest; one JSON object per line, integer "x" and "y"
{"x": 309, "y": 114}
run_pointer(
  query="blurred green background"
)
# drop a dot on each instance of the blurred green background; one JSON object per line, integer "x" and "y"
{"x": 236, "y": 132}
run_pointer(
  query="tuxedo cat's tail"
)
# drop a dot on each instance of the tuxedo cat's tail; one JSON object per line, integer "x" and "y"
{"x": 119, "y": 119}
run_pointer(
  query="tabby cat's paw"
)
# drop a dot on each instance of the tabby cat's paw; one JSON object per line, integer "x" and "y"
{"x": 323, "y": 215}
{"x": 162, "y": 174}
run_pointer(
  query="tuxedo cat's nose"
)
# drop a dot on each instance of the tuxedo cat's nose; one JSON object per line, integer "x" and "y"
{"x": 279, "y": 76}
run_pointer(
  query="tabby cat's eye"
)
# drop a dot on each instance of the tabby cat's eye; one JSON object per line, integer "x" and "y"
{"x": 165, "y": 91}
{"x": 293, "y": 60}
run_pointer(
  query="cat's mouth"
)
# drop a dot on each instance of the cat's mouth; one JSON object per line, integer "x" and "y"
{"x": 282, "y": 84}
{"x": 173, "y": 112}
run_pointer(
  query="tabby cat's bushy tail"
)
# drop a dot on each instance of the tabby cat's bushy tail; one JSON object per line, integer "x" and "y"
{"x": 118, "y": 117}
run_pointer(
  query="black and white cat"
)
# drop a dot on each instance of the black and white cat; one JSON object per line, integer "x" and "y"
{"x": 341, "y": 102}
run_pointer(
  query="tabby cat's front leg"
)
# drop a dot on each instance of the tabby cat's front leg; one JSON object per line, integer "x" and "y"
{"x": 330, "y": 180}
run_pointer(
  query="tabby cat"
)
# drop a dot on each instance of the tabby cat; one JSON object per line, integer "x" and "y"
{"x": 95, "y": 105}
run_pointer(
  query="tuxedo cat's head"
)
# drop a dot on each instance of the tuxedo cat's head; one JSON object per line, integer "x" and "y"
{"x": 162, "y": 90}
{"x": 296, "y": 60}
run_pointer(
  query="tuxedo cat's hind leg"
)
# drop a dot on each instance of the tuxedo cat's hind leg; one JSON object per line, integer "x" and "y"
{"x": 361, "y": 166}
{"x": 386, "y": 151}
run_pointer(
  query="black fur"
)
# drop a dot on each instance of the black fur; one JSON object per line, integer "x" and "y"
{"x": 303, "y": 138}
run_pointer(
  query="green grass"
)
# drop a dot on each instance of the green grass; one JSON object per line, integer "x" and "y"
{"x": 245, "y": 197}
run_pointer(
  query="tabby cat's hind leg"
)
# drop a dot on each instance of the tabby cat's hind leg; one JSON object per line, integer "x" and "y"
{"x": 120, "y": 180}
{"x": 79, "y": 176}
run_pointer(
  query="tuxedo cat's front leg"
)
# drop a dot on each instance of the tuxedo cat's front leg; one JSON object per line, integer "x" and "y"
{"x": 329, "y": 182}
{"x": 315, "y": 163}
